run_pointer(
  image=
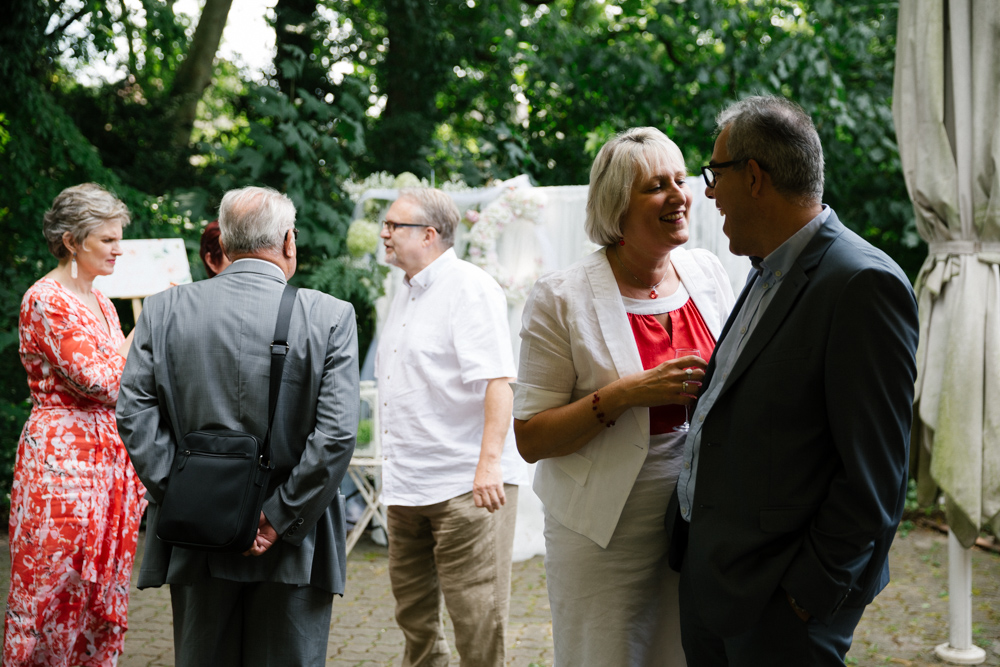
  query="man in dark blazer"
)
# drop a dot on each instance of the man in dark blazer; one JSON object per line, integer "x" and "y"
{"x": 795, "y": 468}
{"x": 201, "y": 359}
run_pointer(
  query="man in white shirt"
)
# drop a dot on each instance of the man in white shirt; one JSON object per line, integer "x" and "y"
{"x": 451, "y": 468}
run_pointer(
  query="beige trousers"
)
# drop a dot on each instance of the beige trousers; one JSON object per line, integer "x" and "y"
{"x": 461, "y": 553}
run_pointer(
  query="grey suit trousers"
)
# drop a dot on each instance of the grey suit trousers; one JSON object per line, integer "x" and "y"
{"x": 221, "y": 623}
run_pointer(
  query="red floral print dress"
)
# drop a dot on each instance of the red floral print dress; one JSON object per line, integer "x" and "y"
{"x": 76, "y": 500}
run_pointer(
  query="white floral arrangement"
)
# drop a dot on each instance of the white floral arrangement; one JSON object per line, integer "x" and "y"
{"x": 520, "y": 204}
{"x": 383, "y": 180}
{"x": 523, "y": 205}
{"x": 362, "y": 238}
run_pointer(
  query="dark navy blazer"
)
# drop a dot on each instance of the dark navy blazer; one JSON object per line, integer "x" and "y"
{"x": 802, "y": 470}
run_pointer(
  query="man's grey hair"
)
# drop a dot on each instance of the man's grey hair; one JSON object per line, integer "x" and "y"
{"x": 254, "y": 219}
{"x": 781, "y": 137}
{"x": 80, "y": 210}
{"x": 433, "y": 208}
{"x": 635, "y": 154}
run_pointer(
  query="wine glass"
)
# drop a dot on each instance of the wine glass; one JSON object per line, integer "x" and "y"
{"x": 678, "y": 353}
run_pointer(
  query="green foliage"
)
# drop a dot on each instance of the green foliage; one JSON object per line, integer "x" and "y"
{"x": 356, "y": 280}
{"x": 13, "y": 415}
{"x": 303, "y": 146}
{"x": 56, "y": 132}
{"x": 364, "y": 431}
{"x": 445, "y": 72}
{"x": 537, "y": 88}
{"x": 675, "y": 65}
{"x": 130, "y": 132}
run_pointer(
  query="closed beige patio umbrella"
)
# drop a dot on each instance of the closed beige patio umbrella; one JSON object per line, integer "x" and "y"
{"x": 946, "y": 107}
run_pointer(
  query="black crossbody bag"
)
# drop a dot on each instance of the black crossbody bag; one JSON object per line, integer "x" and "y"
{"x": 218, "y": 480}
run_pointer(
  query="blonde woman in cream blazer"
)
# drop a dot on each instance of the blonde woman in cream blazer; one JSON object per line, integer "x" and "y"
{"x": 581, "y": 407}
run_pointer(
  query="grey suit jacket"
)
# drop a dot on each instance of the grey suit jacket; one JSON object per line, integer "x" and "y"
{"x": 201, "y": 359}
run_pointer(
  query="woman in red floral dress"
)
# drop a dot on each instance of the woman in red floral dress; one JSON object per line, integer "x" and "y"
{"x": 76, "y": 501}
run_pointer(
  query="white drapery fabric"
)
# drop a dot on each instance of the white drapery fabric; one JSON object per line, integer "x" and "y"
{"x": 946, "y": 108}
{"x": 557, "y": 241}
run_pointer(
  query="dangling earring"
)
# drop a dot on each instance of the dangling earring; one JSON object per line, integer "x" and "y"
{"x": 72, "y": 267}
{"x": 621, "y": 242}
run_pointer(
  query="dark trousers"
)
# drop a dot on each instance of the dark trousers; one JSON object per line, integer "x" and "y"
{"x": 221, "y": 623}
{"x": 779, "y": 637}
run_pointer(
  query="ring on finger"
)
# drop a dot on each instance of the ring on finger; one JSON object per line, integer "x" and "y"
{"x": 689, "y": 371}
{"x": 684, "y": 387}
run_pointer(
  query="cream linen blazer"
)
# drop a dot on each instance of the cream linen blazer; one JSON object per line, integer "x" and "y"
{"x": 575, "y": 339}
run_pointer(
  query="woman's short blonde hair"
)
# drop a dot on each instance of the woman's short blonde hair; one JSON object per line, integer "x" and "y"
{"x": 80, "y": 210}
{"x": 634, "y": 154}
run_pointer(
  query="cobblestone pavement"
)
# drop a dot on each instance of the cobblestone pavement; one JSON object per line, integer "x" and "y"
{"x": 901, "y": 627}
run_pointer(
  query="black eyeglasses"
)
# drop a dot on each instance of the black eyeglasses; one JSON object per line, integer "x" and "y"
{"x": 295, "y": 233}
{"x": 708, "y": 171}
{"x": 392, "y": 226}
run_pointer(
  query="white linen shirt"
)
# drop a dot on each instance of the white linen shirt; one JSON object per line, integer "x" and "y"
{"x": 445, "y": 337}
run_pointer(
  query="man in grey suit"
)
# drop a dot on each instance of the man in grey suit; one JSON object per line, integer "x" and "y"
{"x": 794, "y": 471}
{"x": 201, "y": 359}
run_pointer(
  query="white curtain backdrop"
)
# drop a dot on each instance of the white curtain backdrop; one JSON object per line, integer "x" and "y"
{"x": 555, "y": 243}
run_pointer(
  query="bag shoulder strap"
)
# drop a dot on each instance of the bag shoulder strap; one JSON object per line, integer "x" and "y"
{"x": 279, "y": 349}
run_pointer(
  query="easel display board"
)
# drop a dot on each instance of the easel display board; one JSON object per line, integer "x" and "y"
{"x": 146, "y": 266}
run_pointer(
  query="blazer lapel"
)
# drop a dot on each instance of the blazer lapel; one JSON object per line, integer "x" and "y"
{"x": 787, "y": 295}
{"x": 612, "y": 317}
{"x": 615, "y": 327}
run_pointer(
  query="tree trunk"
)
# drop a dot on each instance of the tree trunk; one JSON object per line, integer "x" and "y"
{"x": 416, "y": 67}
{"x": 195, "y": 72}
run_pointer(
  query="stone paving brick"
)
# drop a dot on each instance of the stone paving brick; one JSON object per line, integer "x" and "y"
{"x": 363, "y": 630}
{"x": 902, "y": 625}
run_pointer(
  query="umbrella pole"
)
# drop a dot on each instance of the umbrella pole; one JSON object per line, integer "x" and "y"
{"x": 960, "y": 649}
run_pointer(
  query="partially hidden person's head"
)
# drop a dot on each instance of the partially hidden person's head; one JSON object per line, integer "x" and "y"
{"x": 212, "y": 255}
{"x": 418, "y": 228}
{"x": 258, "y": 222}
{"x": 766, "y": 172}
{"x": 85, "y": 224}
{"x": 620, "y": 169}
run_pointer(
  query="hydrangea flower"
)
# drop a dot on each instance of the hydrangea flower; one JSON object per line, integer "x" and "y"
{"x": 362, "y": 238}
{"x": 408, "y": 180}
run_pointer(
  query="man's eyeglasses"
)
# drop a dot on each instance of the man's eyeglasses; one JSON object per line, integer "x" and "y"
{"x": 392, "y": 226}
{"x": 708, "y": 171}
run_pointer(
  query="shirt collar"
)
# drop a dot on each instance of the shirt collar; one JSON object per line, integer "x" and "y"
{"x": 426, "y": 276}
{"x": 262, "y": 265}
{"x": 782, "y": 258}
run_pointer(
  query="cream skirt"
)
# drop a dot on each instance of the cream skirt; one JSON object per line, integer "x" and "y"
{"x": 616, "y": 606}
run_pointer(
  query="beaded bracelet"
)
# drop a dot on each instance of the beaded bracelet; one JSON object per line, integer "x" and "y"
{"x": 600, "y": 415}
